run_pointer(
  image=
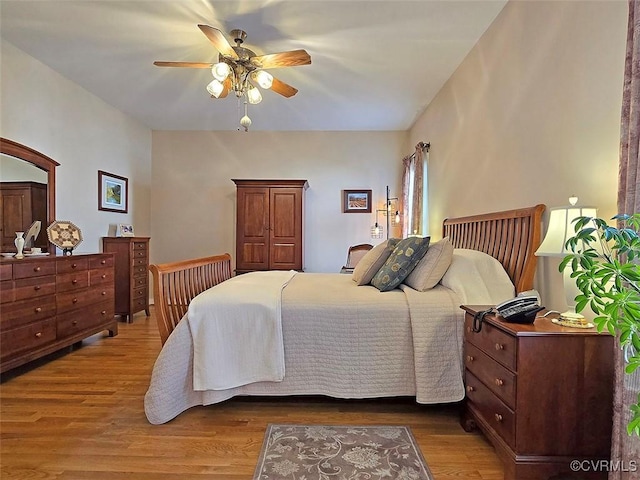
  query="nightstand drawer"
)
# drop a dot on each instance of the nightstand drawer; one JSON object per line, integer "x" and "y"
{"x": 497, "y": 378}
{"x": 494, "y": 342}
{"x": 499, "y": 417}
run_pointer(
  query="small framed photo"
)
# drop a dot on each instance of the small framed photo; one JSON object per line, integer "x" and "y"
{"x": 113, "y": 192}
{"x": 125, "y": 230}
{"x": 356, "y": 201}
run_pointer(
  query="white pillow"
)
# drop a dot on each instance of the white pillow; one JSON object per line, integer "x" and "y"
{"x": 431, "y": 267}
{"x": 477, "y": 278}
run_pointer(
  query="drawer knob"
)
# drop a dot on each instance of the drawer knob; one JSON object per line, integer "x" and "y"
{"x": 37, "y": 309}
{"x": 103, "y": 262}
{"x": 499, "y": 346}
{"x": 75, "y": 322}
{"x": 73, "y": 265}
{"x": 104, "y": 293}
{"x": 470, "y": 358}
{"x": 36, "y": 269}
{"x": 38, "y": 335}
{"x": 499, "y": 382}
{"x": 103, "y": 312}
{"x": 74, "y": 281}
{"x": 470, "y": 388}
{"x": 498, "y": 417}
{"x": 37, "y": 287}
{"x": 104, "y": 276}
{"x": 75, "y": 300}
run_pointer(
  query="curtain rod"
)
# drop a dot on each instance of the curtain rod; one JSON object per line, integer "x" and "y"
{"x": 424, "y": 145}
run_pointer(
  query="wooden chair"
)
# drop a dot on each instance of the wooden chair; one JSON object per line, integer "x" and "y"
{"x": 354, "y": 255}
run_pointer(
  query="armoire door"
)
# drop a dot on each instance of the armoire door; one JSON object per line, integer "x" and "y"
{"x": 252, "y": 229}
{"x": 285, "y": 233}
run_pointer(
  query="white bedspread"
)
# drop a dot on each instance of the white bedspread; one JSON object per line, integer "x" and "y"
{"x": 341, "y": 340}
{"x": 239, "y": 341}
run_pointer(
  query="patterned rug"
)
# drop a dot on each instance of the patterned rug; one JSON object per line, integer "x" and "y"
{"x": 321, "y": 452}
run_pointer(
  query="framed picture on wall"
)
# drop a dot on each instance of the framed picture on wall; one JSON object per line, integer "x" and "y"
{"x": 113, "y": 192}
{"x": 356, "y": 201}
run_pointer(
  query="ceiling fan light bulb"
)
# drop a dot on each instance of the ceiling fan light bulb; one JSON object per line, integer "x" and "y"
{"x": 253, "y": 95}
{"x": 220, "y": 71}
{"x": 264, "y": 79}
{"x": 245, "y": 121}
{"x": 215, "y": 88}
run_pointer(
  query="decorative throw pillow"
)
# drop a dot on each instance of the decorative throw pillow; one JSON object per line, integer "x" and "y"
{"x": 401, "y": 262}
{"x": 369, "y": 265}
{"x": 432, "y": 267}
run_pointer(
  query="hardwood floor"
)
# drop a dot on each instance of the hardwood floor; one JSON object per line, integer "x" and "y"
{"x": 79, "y": 416}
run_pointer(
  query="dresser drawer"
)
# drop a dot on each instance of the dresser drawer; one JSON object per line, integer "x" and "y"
{"x": 33, "y": 287}
{"x": 6, "y": 271}
{"x": 140, "y": 246}
{"x": 27, "y": 311}
{"x": 72, "y": 265}
{"x": 27, "y": 337}
{"x": 140, "y": 282}
{"x": 499, "y": 417}
{"x": 97, "y": 277}
{"x": 101, "y": 261}
{"x": 70, "y": 323}
{"x": 74, "y": 300}
{"x": 497, "y": 378}
{"x": 72, "y": 281}
{"x": 7, "y": 292}
{"x": 33, "y": 268}
{"x": 493, "y": 341}
{"x": 139, "y": 303}
{"x": 140, "y": 270}
{"x": 137, "y": 262}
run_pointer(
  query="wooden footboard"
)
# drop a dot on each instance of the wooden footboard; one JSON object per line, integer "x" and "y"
{"x": 176, "y": 284}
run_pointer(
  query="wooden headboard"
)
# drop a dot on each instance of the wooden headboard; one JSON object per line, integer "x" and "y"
{"x": 511, "y": 236}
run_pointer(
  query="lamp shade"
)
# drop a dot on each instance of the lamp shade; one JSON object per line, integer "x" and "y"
{"x": 561, "y": 228}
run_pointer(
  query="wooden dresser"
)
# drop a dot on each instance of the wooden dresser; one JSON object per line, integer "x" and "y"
{"x": 269, "y": 225}
{"x": 132, "y": 274}
{"x": 51, "y": 302}
{"x": 541, "y": 393}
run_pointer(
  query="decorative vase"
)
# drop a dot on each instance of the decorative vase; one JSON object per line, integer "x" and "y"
{"x": 19, "y": 243}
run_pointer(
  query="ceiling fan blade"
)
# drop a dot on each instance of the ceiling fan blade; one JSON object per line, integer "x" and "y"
{"x": 227, "y": 88}
{"x": 219, "y": 41}
{"x": 283, "y": 59}
{"x": 183, "y": 64}
{"x": 282, "y": 88}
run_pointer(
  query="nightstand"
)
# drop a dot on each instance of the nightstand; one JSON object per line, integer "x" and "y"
{"x": 541, "y": 393}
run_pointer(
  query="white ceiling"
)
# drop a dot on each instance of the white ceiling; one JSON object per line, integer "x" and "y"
{"x": 375, "y": 64}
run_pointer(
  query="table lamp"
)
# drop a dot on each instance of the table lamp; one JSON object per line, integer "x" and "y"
{"x": 561, "y": 228}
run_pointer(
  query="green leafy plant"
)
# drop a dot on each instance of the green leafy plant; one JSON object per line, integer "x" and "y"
{"x": 604, "y": 264}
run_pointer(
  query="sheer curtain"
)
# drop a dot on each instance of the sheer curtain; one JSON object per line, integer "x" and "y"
{"x": 625, "y": 448}
{"x": 413, "y": 191}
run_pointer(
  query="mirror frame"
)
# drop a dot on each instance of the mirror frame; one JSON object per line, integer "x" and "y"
{"x": 40, "y": 160}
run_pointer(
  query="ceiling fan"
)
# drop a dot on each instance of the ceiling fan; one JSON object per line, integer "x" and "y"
{"x": 238, "y": 68}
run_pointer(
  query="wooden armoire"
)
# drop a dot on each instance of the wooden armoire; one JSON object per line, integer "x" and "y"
{"x": 269, "y": 224}
{"x": 22, "y": 203}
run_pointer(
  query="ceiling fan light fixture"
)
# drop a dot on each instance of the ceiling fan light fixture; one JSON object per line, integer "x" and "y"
{"x": 221, "y": 71}
{"x": 215, "y": 88}
{"x": 253, "y": 95}
{"x": 264, "y": 79}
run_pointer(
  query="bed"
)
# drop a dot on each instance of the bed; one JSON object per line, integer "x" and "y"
{"x": 338, "y": 339}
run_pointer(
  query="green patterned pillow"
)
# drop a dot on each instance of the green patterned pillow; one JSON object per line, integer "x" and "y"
{"x": 400, "y": 263}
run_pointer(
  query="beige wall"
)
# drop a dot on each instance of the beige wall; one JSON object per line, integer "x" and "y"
{"x": 531, "y": 116}
{"x": 47, "y": 112}
{"x": 193, "y": 199}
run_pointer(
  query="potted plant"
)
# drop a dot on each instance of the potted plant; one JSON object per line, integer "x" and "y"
{"x": 604, "y": 263}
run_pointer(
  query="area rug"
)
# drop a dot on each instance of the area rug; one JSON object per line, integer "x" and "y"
{"x": 323, "y": 452}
